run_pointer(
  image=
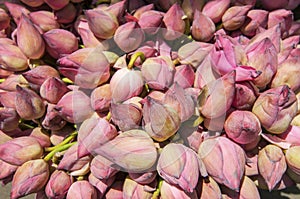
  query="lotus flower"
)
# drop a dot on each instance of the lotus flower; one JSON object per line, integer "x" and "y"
{"x": 83, "y": 189}
{"x": 215, "y": 9}
{"x": 203, "y": 27}
{"x": 44, "y": 20}
{"x": 58, "y": 185}
{"x": 235, "y": 17}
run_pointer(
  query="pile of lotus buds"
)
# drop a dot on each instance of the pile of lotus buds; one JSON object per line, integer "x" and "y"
{"x": 149, "y": 98}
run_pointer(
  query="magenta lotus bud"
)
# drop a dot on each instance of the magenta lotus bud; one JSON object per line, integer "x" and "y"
{"x": 242, "y": 127}
{"x": 143, "y": 178}
{"x": 271, "y": 165}
{"x": 60, "y": 42}
{"x": 282, "y": 17}
{"x": 245, "y": 95}
{"x": 191, "y": 6}
{"x": 93, "y": 133}
{"x": 132, "y": 189}
{"x": 222, "y": 153}
{"x": 16, "y": 10}
{"x": 12, "y": 58}
{"x": 292, "y": 159}
{"x": 174, "y": 169}
{"x": 66, "y": 15}
{"x": 44, "y": 19}
{"x": 102, "y": 23}
{"x": 263, "y": 57}
{"x": 9, "y": 119}
{"x": 116, "y": 190}
{"x": 53, "y": 89}
{"x": 53, "y": 120}
{"x": 25, "y": 182}
{"x": 40, "y": 135}
{"x": 132, "y": 150}
{"x": 219, "y": 93}
{"x": 255, "y": 19}
{"x": 203, "y": 28}
{"x": 205, "y": 73}
{"x": 274, "y": 5}
{"x": 194, "y": 53}
{"x": 235, "y": 17}
{"x": 158, "y": 72}
{"x": 7, "y": 170}
{"x": 275, "y": 108}
{"x": 184, "y": 76}
{"x": 101, "y": 185}
{"x": 103, "y": 168}
{"x": 29, "y": 39}
{"x": 208, "y": 188}
{"x": 101, "y": 98}
{"x": 150, "y": 21}
{"x": 215, "y": 9}
{"x": 33, "y": 3}
{"x": 126, "y": 83}
{"x": 39, "y": 74}
{"x": 56, "y": 4}
{"x": 4, "y": 19}
{"x": 58, "y": 185}
{"x": 29, "y": 105}
{"x": 168, "y": 191}
{"x": 81, "y": 189}
{"x": 174, "y": 23}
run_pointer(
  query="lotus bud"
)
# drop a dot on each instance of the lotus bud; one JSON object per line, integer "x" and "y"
{"x": 58, "y": 185}
{"x": 203, "y": 27}
{"x": 219, "y": 93}
{"x": 53, "y": 89}
{"x": 263, "y": 57}
{"x": 286, "y": 139}
{"x": 275, "y": 108}
{"x": 215, "y": 9}
{"x": 132, "y": 189}
{"x": 275, "y": 5}
{"x": 7, "y": 170}
{"x": 29, "y": 105}
{"x": 7, "y": 99}
{"x": 251, "y": 168}
{"x": 242, "y": 127}
{"x": 83, "y": 189}
{"x": 32, "y": 3}
{"x": 285, "y": 182}
{"x": 66, "y": 15}
{"x": 25, "y": 182}
{"x": 220, "y": 152}
{"x": 282, "y": 17}
{"x": 40, "y": 135}
{"x": 295, "y": 28}
{"x": 158, "y": 72}
{"x": 255, "y": 19}
{"x": 194, "y": 53}
{"x": 132, "y": 150}
{"x": 296, "y": 120}
{"x": 101, "y": 185}
{"x": 235, "y": 17}
{"x": 60, "y": 42}
{"x": 139, "y": 11}
{"x": 293, "y": 160}
{"x": 208, "y": 188}
{"x": 143, "y": 178}
{"x": 29, "y": 39}
{"x": 102, "y": 30}
{"x": 44, "y": 19}
{"x": 16, "y": 10}
{"x": 245, "y": 95}
{"x": 244, "y": 2}
{"x": 100, "y": 98}
{"x": 190, "y": 6}
{"x": 150, "y": 21}
{"x": 4, "y": 137}
{"x": 271, "y": 165}
{"x": 39, "y": 74}
{"x": 174, "y": 23}
{"x": 56, "y": 4}
{"x": 115, "y": 191}
{"x": 12, "y": 58}
{"x": 4, "y": 19}
{"x": 52, "y": 120}
{"x": 9, "y": 119}
{"x": 103, "y": 168}
{"x": 184, "y": 76}
{"x": 148, "y": 49}
{"x": 93, "y": 133}
{"x": 168, "y": 191}
{"x": 12, "y": 81}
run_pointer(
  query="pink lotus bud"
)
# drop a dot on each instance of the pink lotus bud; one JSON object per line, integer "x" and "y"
{"x": 115, "y": 191}
{"x": 191, "y": 6}
{"x": 143, "y": 178}
{"x": 9, "y": 119}
{"x": 293, "y": 160}
{"x": 4, "y": 137}
{"x": 100, "y": 98}
{"x": 282, "y": 17}
{"x": 58, "y": 185}
{"x": 222, "y": 153}
{"x": 255, "y": 19}
{"x": 242, "y": 127}
{"x": 101, "y": 185}
{"x": 25, "y": 182}
{"x": 103, "y": 168}
{"x": 12, "y": 81}
{"x": 7, "y": 170}
{"x": 245, "y": 95}
{"x": 274, "y": 5}
{"x": 117, "y": 9}
{"x": 215, "y": 9}
{"x": 174, "y": 169}
{"x": 148, "y": 49}
{"x": 126, "y": 83}
{"x": 16, "y": 10}
{"x": 102, "y": 23}
{"x": 4, "y": 19}
{"x": 39, "y": 74}
{"x": 251, "y": 164}
{"x": 263, "y": 57}
{"x": 66, "y": 15}
{"x": 132, "y": 150}
{"x": 82, "y": 189}
{"x": 53, "y": 120}
{"x": 271, "y": 165}
{"x": 295, "y": 28}
{"x": 33, "y": 3}
{"x": 29, "y": 105}
{"x": 184, "y": 76}
{"x": 235, "y": 17}
{"x": 203, "y": 28}
{"x": 12, "y": 58}
{"x": 132, "y": 189}
{"x": 158, "y": 72}
{"x": 194, "y": 53}
{"x": 29, "y": 39}
{"x": 161, "y": 120}
{"x": 40, "y": 135}
{"x": 53, "y": 89}
{"x": 7, "y": 99}
{"x": 291, "y": 135}
{"x": 174, "y": 23}
{"x": 150, "y": 21}
{"x": 169, "y": 191}
{"x": 56, "y": 4}
{"x": 60, "y": 42}
{"x": 275, "y": 108}
{"x": 219, "y": 93}
{"x": 208, "y": 188}
{"x": 44, "y": 19}
{"x": 137, "y": 14}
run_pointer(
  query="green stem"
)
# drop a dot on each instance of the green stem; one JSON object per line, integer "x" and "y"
{"x": 134, "y": 58}
{"x": 25, "y": 126}
{"x": 157, "y": 191}
{"x": 65, "y": 141}
{"x": 59, "y": 149}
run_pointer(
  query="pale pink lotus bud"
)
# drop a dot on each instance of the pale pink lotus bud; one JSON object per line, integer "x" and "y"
{"x": 93, "y": 133}
{"x": 7, "y": 170}
{"x": 292, "y": 159}
{"x": 168, "y": 191}
{"x": 12, "y": 81}
{"x": 58, "y": 185}
{"x": 67, "y": 14}
{"x": 117, "y": 9}
{"x": 9, "y": 119}
{"x": 144, "y": 178}
{"x": 126, "y": 83}
{"x": 245, "y": 95}
{"x": 161, "y": 120}
{"x": 60, "y": 42}
{"x": 74, "y": 106}
{"x": 137, "y": 14}
{"x": 282, "y": 17}
{"x": 103, "y": 168}
{"x": 53, "y": 89}
{"x": 174, "y": 169}
{"x": 33, "y": 3}
{"x": 4, "y": 19}
{"x": 203, "y": 28}
{"x": 25, "y": 182}
{"x": 40, "y": 73}
{"x": 16, "y": 10}
{"x": 158, "y": 72}
{"x": 235, "y": 17}
{"x": 52, "y": 119}
{"x": 102, "y": 23}
{"x": 190, "y": 6}
{"x": 56, "y": 4}
{"x": 115, "y": 191}
{"x": 101, "y": 185}
{"x": 101, "y": 98}
{"x": 255, "y": 19}
{"x": 268, "y": 5}
{"x": 29, "y": 105}
{"x": 242, "y": 127}
{"x": 208, "y": 188}
{"x": 271, "y": 165}
{"x": 132, "y": 150}
{"x": 151, "y": 21}
{"x": 132, "y": 189}
{"x": 44, "y": 19}
{"x": 194, "y": 53}
{"x": 219, "y": 93}
{"x": 29, "y": 39}
{"x": 174, "y": 23}
{"x": 275, "y": 108}
{"x": 40, "y": 135}
{"x": 291, "y": 135}
{"x": 224, "y": 161}
{"x": 263, "y": 57}
{"x": 82, "y": 189}
{"x": 184, "y": 76}
{"x": 215, "y": 9}
{"x": 12, "y": 58}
